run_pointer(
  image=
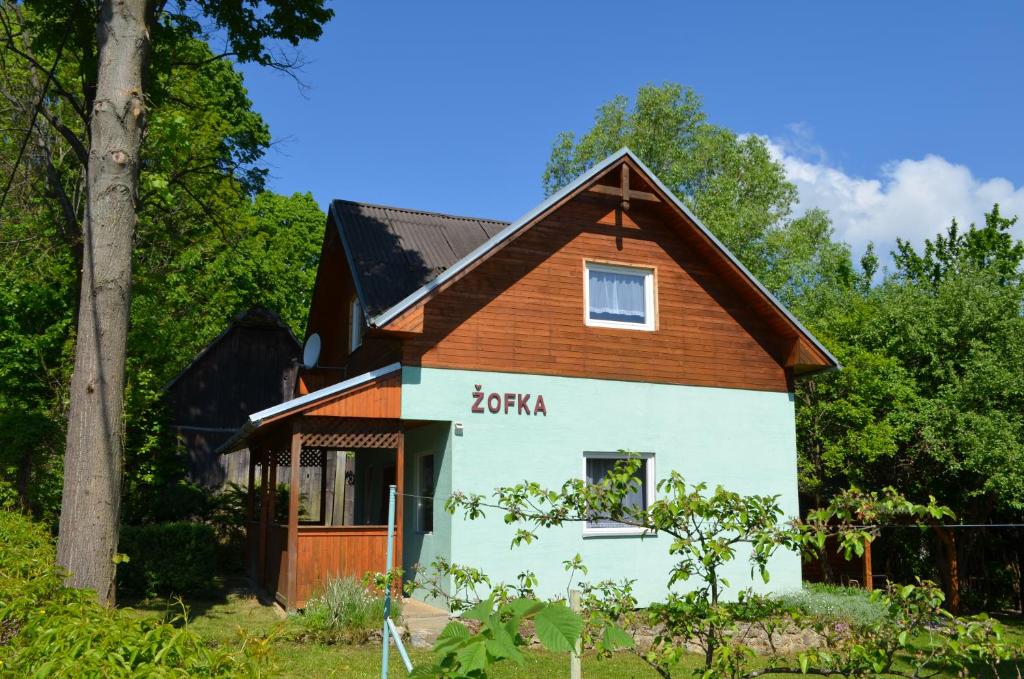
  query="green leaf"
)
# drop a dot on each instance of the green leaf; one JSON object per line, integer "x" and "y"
{"x": 503, "y": 645}
{"x": 615, "y": 638}
{"x": 524, "y": 608}
{"x": 474, "y": 656}
{"x": 558, "y": 627}
{"x": 451, "y": 637}
{"x": 481, "y": 611}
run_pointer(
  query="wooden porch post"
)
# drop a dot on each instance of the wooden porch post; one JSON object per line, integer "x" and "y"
{"x": 323, "y": 488}
{"x": 261, "y": 568}
{"x": 400, "y": 501}
{"x": 272, "y": 459}
{"x": 250, "y": 514}
{"x": 951, "y": 572}
{"x": 250, "y": 500}
{"x": 291, "y": 591}
{"x": 869, "y": 578}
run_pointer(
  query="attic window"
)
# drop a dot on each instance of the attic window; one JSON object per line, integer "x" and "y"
{"x": 619, "y": 296}
{"x": 356, "y": 325}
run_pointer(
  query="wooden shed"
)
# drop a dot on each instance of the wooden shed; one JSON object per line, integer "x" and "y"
{"x": 248, "y": 367}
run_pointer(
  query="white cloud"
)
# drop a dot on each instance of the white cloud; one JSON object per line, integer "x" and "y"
{"x": 910, "y": 199}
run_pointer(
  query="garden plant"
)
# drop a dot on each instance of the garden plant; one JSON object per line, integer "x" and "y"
{"x": 912, "y": 635}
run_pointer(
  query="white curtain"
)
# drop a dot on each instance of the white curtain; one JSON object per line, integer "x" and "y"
{"x": 617, "y": 296}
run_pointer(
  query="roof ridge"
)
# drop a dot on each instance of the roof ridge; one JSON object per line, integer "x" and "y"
{"x": 420, "y": 212}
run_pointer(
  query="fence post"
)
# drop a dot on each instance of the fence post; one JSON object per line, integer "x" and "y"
{"x": 575, "y": 663}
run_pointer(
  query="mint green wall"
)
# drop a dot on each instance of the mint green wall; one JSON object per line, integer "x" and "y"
{"x": 419, "y": 549}
{"x": 743, "y": 440}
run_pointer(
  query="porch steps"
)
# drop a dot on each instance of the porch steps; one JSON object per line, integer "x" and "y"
{"x": 423, "y": 622}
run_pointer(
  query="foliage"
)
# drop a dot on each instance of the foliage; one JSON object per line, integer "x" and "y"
{"x": 963, "y": 645}
{"x": 463, "y": 654}
{"x": 344, "y": 611}
{"x": 168, "y": 558}
{"x": 931, "y": 397}
{"x": 833, "y": 604}
{"x": 706, "y": 530}
{"x": 462, "y": 587}
{"x": 209, "y": 244}
{"x": 192, "y": 173}
{"x": 47, "y": 629}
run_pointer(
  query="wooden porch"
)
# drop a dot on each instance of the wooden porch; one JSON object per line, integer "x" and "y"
{"x": 293, "y": 551}
{"x": 319, "y": 470}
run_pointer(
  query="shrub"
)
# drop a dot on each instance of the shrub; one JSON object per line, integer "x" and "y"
{"x": 226, "y": 512}
{"x": 830, "y": 603}
{"x": 345, "y": 611}
{"x": 168, "y": 558}
{"x": 47, "y": 629}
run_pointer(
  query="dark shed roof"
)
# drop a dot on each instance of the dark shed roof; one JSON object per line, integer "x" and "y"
{"x": 394, "y": 252}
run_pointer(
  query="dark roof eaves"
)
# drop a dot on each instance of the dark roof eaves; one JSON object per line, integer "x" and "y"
{"x": 356, "y": 282}
{"x": 431, "y": 213}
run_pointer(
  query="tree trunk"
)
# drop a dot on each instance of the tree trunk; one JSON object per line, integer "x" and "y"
{"x": 90, "y": 510}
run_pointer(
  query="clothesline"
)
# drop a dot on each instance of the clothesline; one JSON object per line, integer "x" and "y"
{"x": 879, "y": 525}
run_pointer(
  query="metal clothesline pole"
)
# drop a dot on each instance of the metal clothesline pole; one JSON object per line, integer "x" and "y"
{"x": 389, "y": 625}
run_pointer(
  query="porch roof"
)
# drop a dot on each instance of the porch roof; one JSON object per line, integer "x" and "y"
{"x": 305, "y": 403}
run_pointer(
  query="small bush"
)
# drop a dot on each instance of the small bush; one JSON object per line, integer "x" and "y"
{"x": 830, "y": 603}
{"x": 226, "y": 512}
{"x": 47, "y": 629}
{"x": 168, "y": 558}
{"x": 345, "y": 611}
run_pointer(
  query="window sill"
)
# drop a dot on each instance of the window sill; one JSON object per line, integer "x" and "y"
{"x": 619, "y": 325}
{"x": 617, "y": 533}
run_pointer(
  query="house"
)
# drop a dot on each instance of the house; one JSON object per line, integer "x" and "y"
{"x": 249, "y": 366}
{"x": 463, "y": 354}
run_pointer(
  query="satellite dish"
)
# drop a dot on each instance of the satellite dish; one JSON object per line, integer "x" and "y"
{"x": 311, "y": 352}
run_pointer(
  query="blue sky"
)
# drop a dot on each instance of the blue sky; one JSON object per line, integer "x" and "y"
{"x": 895, "y": 116}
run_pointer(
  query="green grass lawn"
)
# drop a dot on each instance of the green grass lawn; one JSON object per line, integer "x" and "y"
{"x": 220, "y": 620}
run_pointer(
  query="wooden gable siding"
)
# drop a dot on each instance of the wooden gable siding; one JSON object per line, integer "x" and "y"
{"x": 332, "y": 296}
{"x": 329, "y": 316}
{"x": 382, "y": 398}
{"x": 522, "y": 310}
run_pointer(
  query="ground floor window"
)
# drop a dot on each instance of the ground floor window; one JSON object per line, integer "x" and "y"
{"x": 425, "y": 493}
{"x": 595, "y": 467}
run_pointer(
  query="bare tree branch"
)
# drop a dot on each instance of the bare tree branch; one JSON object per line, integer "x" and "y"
{"x": 26, "y": 54}
{"x": 35, "y": 112}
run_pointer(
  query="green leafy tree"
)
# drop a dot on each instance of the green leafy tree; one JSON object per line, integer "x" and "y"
{"x": 110, "y": 68}
{"x": 930, "y": 400}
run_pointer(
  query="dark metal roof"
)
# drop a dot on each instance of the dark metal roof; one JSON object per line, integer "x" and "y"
{"x": 394, "y": 251}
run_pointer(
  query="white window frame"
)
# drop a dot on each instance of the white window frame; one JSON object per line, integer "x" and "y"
{"x": 355, "y": 330}
{"x": 419, "y": 489}
{"x": 650, "y": 310}
{"x": 649, "y": 484}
